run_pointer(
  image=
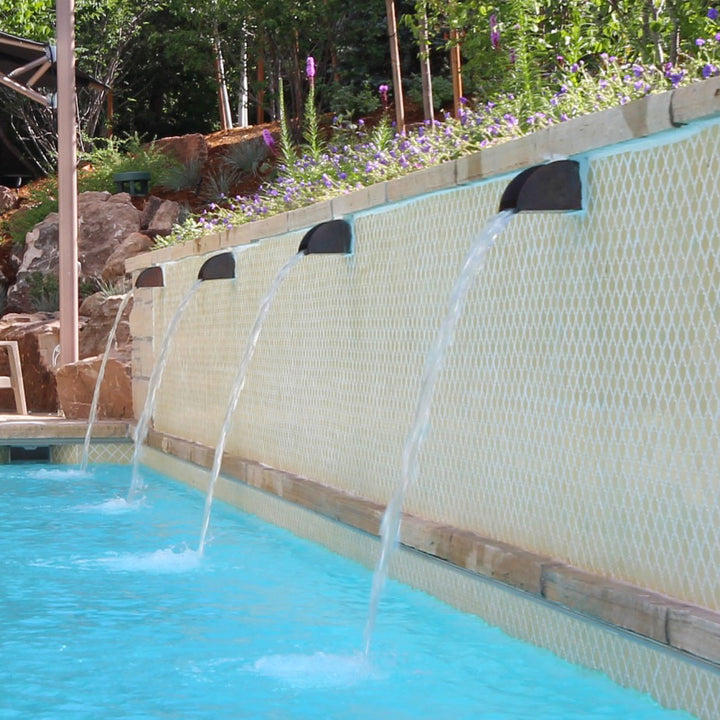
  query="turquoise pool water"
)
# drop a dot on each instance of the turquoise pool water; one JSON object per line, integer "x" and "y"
{"x": 108, "y": 612}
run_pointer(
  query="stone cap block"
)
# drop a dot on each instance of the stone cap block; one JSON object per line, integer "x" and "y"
{"x": 695, "y": 102}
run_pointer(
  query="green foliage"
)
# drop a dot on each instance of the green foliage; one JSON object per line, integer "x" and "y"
{"x": 111, "y": 156}
{"x": 42, "y": 201}
{"x": 351, "y": 101}
{"x": 314, "y": 145}
{"x": 442, "y": 91}
{"x": 248, "y": 157}
{"x": 219, "y": 183}
{"x": 182, "y": 176}
{"x": 44, "y": 291}
{"x": 107, "y": 289}
{"x": 287, "y": 148}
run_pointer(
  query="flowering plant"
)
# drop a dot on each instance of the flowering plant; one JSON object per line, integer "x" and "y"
{"x": 356, "y": 156}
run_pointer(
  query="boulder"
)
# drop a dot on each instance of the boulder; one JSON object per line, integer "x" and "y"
{"x": 104, "y": 221}
{"x": 98, "y": 313}
{"x": 37, "y": 336}
{"x": 134, "y": 244}
{"x": 186, "y": 149}
{"x": 162, "y": 220}
{"x": 8, "y": 198}
{"x": 102, "y": 226}
{"x": 76, "y": 386}
{"x": 151, "y": 206}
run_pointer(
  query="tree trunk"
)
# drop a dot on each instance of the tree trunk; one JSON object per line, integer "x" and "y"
{"x": 261, "y": 87}
{"x": 242, "y": 114}
{"x": 223, "y": 99}
{"x": 395, "y": 60}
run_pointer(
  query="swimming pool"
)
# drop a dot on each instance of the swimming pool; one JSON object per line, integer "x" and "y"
{"x": 109, "y": 612}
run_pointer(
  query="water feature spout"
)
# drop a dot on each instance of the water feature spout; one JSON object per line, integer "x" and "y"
{"x": 546, "y": 188}
{"x": 92, "y": 415}
{"x": 151, "y": 277}
{"x": 218, "y": 267}
{"x": 333, "y": 236}
{"x": 554, "y": 187}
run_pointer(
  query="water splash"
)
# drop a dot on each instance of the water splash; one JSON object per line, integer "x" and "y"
{"x": 141, "y": 429}
{"x": 65, "y": 473}
{"x": 98, "y": 383}
{"x": 238, "y": 386}
{"x": 164, "y": 561}
{"x": 390, "y": 525}
{"x": 114, "y": 506}
{"x": 320, "y": 670}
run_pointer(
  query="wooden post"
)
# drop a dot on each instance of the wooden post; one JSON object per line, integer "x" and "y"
{"x": 427, "y": 93}
{"x": 456, "y": 69}
{"x": 395, "y": 60}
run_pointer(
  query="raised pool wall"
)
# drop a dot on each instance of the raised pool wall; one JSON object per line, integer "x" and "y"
{"x": 574, "y": 450}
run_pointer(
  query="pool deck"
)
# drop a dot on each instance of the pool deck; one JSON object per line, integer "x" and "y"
{"x": 53, "y": 429}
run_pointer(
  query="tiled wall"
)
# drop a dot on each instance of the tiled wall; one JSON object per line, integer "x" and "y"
{"x": 98, "y": 452}
{"x": 576, "y": 414}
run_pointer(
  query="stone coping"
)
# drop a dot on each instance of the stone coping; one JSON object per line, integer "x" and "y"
{"x": 53, "y": 430}
{"x": 689, "y": 629}
{"x": 650, "y": 115}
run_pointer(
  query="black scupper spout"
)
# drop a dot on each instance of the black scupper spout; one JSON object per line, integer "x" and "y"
{"x": 554, "y": 187}
{"x": 218, "y": 267}
{"x": 333, "y": 236}
{"x": 150, "y": 277}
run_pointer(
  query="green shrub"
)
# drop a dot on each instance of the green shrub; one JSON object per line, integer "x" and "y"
{"x": 247, "y": 158}
{"x": 111, "y": 155}
{"x": 44, "y": 291}
{"x": 182, "y": 176}
{"x": 350, "y": 101}
{"x": 442, "y": 91}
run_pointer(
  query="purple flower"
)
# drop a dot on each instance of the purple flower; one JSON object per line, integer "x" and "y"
{"x": 268, "y": 139}
{"x": 717, "y": 37}
{"x": 494, "y": 32}
{"x": 713, "y": 13}
{"x": 675, "y": 77}
{"x": 383, "y": 90}
{"x": 310, "y": 67}
{"x": 709, "y": 70}
{"x": 574, "y": 68}
{"x": 637, "y": 70}
{"x": 700, "y": 42}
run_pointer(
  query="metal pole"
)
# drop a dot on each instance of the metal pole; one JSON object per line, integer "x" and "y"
{"x": 67, "y": 181}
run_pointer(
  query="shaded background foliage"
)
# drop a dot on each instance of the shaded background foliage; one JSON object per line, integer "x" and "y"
{"x": 159, "y": 57}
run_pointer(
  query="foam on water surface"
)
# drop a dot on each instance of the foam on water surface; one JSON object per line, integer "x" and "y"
{"x": 168, "y": 560}
{"x": 319, "y": 670}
